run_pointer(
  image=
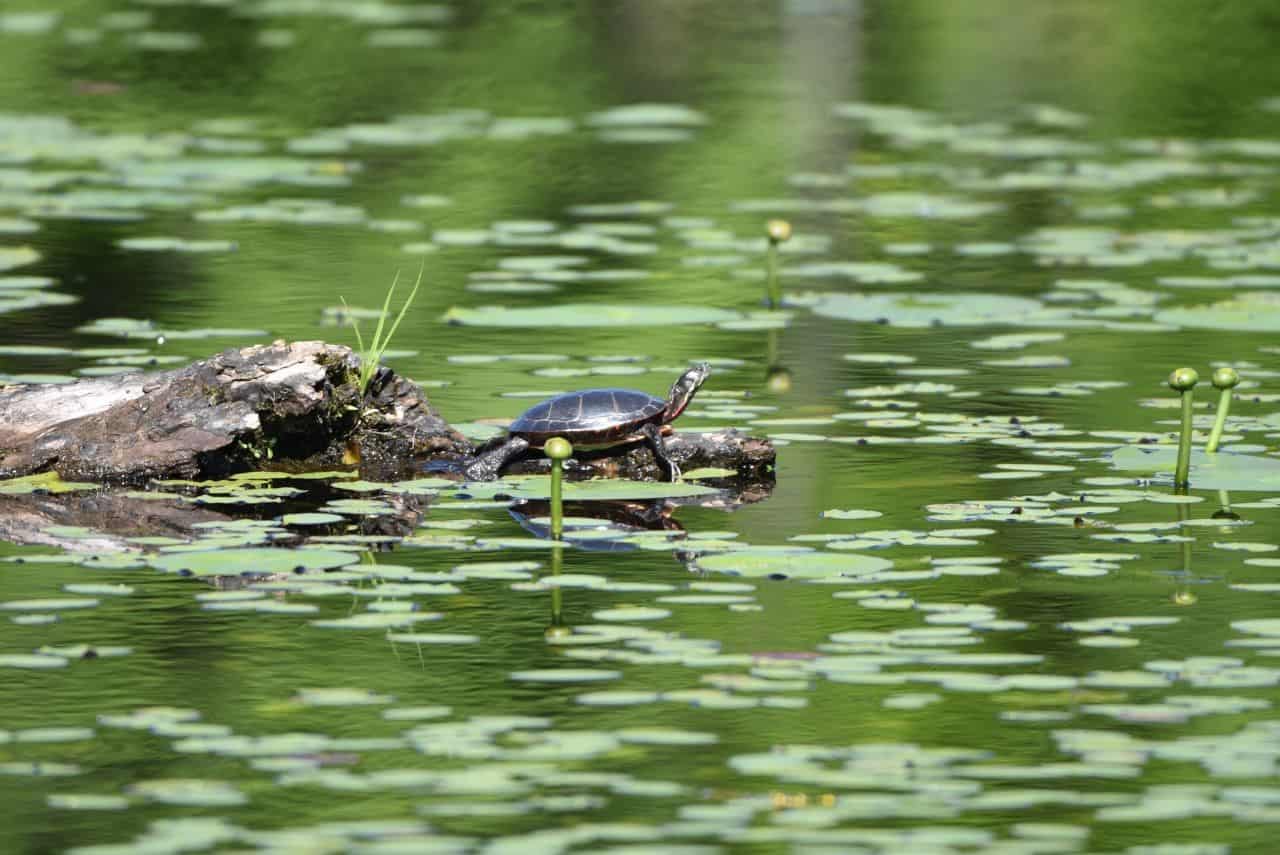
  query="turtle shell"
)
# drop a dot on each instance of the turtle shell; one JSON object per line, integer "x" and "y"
{"x": 589, "y": 416}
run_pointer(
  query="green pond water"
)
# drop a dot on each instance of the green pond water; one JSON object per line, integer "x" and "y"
{"x": 969, "y": 615}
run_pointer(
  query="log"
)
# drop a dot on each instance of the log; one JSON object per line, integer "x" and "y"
{"x": 286, "y": 406}
{"x": 236, "y": 411}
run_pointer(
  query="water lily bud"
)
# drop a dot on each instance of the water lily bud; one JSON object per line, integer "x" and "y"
{"x": 1226, "y": 377}
{"x": 1183, "y": 379}
{"x": 779, "y": 231}
{"x": 558, "y": 448}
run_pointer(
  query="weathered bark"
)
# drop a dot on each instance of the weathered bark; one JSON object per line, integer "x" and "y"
{"x": 236, "y": 411}
{"x": 281, "y": 405}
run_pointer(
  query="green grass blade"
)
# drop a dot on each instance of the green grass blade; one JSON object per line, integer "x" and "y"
{"x": 371, "y": 356}
{"x": 378, "y": 345}
{"x": 405, "y": 308}
{"x": 355, "y": 325}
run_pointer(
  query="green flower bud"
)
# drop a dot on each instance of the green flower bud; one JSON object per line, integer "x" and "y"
{"x": 1226, "y": 377}
{"x": 1183, "y": 379}
{"x": 558, "y": 448}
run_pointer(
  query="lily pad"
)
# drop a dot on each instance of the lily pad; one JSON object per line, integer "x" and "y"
{"x": 792, "y": 565}
{"x": 17, "y": 256}
{"x": 33, "y": 660}
{"x": 929, "y": 309}
{"x": 86, "y": 801}
{"x": 589, "y": 315}
{"x": 45, "y": 482}
{"x": 1223, "y": 470}
{"x": 54, "y": 604}
{"x": 264, "y": 561}
{"x": 189, "y": 792}
{"x": 1250, "y": 312}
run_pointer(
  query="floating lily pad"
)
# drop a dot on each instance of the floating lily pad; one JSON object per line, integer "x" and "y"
{"x": 620, "y": 698}
{"x": 263, "y": 561}
{"x": 37, "y": 661}
{"x": 86, "y": 801}
{"x": 631, "y": 613}
{"x": 311, "y": 518}
{"x": 850, "y": 514}
{"x": 189, "y": 792}
{"x": 45, "y": 482}
{"x": 172, "y": 244}
{"x": 17, "y": 256}
{"x": 787, "y": 565}
{"x": 1223, "y": 470}
{"x": 1015, "y": 341}
{"x": 925, "y": 310}
{"x": 39, "y": 769}
{"x": 589, "y": 315}
{"x": 341, "y": 697}
{"x": 1249, "y": 312}
{"x": 58, "y": 604}
{"x": 432, "y": 638}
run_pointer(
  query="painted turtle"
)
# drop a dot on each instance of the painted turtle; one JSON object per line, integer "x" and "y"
{"x": 596, "y": 418}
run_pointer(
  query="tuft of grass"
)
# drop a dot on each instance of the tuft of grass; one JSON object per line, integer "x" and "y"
{"x": 371, "y": 356}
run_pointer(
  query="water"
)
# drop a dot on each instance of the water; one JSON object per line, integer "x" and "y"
{"x": 793, "y": 718}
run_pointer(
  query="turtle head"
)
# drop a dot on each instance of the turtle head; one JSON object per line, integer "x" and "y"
{"x": 683, "y": 390}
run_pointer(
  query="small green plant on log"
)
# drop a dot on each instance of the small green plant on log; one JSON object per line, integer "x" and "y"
{"x": 371, "y": 356}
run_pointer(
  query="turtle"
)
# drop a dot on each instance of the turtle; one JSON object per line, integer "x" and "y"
{"x": 596, "y": 418}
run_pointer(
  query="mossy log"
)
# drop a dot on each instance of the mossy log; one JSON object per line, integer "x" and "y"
{"x": 279, "y": 406}
{"x": 239, "y": 410}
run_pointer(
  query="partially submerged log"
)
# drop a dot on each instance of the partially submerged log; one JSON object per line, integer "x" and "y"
{"x": 284, "y": 404}
{"x": 239, "y": 410}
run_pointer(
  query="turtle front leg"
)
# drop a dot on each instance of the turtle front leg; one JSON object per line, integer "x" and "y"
{"x": 487, "y": 466}
{"x": 653, "y": 438}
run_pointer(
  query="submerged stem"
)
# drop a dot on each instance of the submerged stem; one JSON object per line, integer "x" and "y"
{"x": 1183, "y": 595}
{"x": 773, "y": 295}
{"x": 779, "y": 231}
{"x": 557, "y": 629}
{"x": 557, "y": 502}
